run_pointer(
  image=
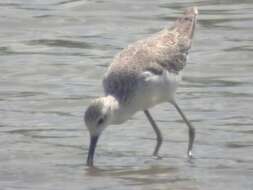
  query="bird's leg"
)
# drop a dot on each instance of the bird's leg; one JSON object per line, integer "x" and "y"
{"x": 158, "y": 133}
{"x": 191, "y": 130}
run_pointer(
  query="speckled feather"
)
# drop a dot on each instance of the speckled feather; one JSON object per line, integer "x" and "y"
{"x": 164, "y": 51}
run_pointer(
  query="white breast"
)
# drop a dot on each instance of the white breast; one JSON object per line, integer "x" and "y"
{"x": 152, "y": 90}
{"x": 156, "y": 89}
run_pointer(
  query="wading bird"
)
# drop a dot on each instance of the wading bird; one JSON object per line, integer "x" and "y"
{"x": 144, "y": 74}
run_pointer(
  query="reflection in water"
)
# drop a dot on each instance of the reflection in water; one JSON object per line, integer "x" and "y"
{"x": 53, "y": 56}
{"x": 141, "y": 176}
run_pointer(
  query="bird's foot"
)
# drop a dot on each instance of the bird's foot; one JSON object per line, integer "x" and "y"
{"x": 190, "y": 156}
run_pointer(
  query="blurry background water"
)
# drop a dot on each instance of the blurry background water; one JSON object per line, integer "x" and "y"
{"x": 53, "y": 54}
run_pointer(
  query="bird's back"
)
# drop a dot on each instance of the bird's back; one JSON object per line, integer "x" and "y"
{"x": 164, "y": 51}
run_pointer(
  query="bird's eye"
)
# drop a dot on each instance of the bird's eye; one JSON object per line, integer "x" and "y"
{"x": 100, "y": 121}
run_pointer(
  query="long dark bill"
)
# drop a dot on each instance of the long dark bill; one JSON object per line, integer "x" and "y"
{"x": 93, "y": 143}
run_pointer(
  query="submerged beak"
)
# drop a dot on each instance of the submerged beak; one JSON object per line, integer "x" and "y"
{"x": 93, "y": 143}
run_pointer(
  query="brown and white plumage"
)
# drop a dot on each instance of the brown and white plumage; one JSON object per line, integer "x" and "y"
{"x": 143, "y": 75}
{"x": 164, "y": 51}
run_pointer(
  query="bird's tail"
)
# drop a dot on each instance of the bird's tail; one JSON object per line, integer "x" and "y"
{"x": 185, "y": 25}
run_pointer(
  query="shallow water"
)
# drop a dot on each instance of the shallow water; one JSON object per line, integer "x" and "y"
{"x": 53, "y": 56}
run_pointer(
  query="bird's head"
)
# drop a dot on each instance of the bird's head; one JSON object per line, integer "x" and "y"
{"x": 98, "y": 116}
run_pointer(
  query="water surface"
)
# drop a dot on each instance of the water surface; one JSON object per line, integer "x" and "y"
{"x": 53, "y": 54}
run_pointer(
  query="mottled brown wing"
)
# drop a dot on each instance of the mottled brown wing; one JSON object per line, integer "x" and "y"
{"x": 166, "y": 49}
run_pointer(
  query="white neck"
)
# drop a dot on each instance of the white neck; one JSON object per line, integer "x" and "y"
{"x": 112, "y": 106}
{"x": 111, "y": 103}
{"x": 116, "y": 112}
